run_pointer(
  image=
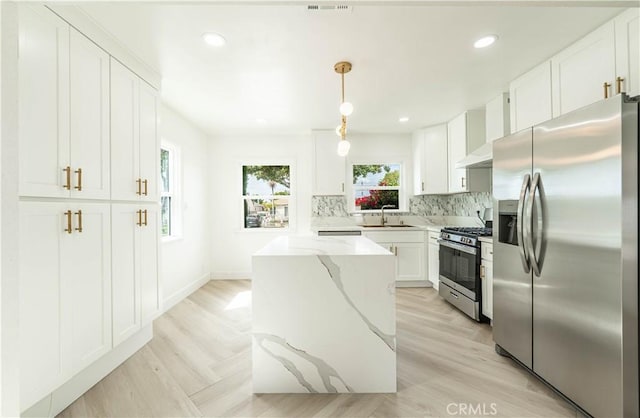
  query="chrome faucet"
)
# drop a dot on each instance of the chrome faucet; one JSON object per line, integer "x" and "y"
{"x": 382, "y": 221}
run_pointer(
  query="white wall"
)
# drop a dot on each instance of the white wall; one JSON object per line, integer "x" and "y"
{"x": 232, "y": 245}
{"x": 185, "y": 263}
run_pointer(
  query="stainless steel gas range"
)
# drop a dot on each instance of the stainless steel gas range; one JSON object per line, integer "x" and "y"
{"x": 460, "y": 268}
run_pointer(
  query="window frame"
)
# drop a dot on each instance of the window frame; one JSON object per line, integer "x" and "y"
{"x": 174, "y": 193}
{"x": 402, "y": 194}
{"x": 292, "y": 211}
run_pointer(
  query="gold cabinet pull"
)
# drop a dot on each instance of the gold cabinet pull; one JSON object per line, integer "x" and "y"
{"x": 139, "y": 184}
{"x": 79, "y": 214}
{"x": 145, "y": 218}
{"x": 395, "y": 250}
{"x": 423, "y": 186}
{"x": 462, "y": 182}
{"x": 145, "y": 187}
{"x": 342, "y": 187}
{"x": 68, "y": 229}
{"x": 67, "y": 184}
{"x": 79, "y": 173}
{"x": 139, "y": 212}
{"x": 619, "y": 81}
{"x": 482, "y": 273}
{"x": 606, "y": 89}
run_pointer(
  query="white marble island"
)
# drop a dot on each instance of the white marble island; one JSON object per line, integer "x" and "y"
{"x": 323, "y": 316}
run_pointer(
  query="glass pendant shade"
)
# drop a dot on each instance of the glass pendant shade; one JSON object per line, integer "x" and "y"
{"x": 343, "y": 147}
{"x": 346, "y": 109}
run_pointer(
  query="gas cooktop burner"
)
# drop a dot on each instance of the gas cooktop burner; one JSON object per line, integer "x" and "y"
{"x": 472, "y": 231}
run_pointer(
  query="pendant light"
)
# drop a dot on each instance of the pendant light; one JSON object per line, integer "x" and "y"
{"x": 346, "y": 109}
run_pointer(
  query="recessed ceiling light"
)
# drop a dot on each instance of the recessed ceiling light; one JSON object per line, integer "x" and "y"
{"x": 214, "y": 39}
{"x": 403, "y": 119}
{"x": 485, "y": 41}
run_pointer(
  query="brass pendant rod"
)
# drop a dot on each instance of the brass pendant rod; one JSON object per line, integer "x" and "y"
{"x": 342, "y": 76}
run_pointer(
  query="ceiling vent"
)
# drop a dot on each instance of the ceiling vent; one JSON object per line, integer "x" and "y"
{"x": 329, "y": 7}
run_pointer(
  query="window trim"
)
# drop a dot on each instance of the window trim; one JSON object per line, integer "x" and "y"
{"x": 175, "y": 191}
{"x": 402, "y": 189}
{"x": 292, "y": 195}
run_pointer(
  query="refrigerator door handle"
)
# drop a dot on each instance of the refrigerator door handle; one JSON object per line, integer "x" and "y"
{"x": 535, "y": 265}
{"x": 524, "y": 256}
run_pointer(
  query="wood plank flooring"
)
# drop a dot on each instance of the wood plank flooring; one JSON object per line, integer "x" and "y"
{"x": 199, "y": 364}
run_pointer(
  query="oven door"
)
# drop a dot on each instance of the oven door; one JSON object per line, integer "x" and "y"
{"x": 460, "y": 268}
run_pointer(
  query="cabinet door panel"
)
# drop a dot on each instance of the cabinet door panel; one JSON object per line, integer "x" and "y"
{"x": 149, "y": 148}
{"x": 436, "y": 167}
{"x": 434, "y": 265}
{"x": 329, "y": 168}
{"x": 149, "y": 278}
{"x": 419, "y": 154}
{"x": 43, "y": 103}
{"x": 457, "y": 148}
{"x": 574, "y": 86}
{"x": 42, "y": 363}
{"x": 86, "y": 266}
{"x": 125, "y": 270}
{"x": 89, "y": 110}
{"x": 125, "y": 135}
{"x": 487, "y": 289}
{"x": 530, "y": 96}
{"x": 628, "y": 50}
{"x": 410, "y": 261}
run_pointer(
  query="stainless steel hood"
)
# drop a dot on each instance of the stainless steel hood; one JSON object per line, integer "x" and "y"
{"x": 482, "y": 157}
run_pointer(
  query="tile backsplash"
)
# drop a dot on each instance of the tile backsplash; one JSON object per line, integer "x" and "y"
{"x": 461, "y": 204}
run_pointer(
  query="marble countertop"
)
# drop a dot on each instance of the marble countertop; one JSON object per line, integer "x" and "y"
{"x": 486, "y": 239}
{"x": 314, "y": 245}
{"x": 426, "y": 223}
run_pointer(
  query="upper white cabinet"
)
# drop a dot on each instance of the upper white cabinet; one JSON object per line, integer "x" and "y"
{"x": 65, "y": 292}
{"x": 136, "y": 298}
{"x": 430, "y": 166}
{"x": 530, "y": 98}
{"x": 466, "y": 133}
{"x": 497, "y": 117}
{"x": 579, "y": 72}
{"x": 627, "y": 27}
{"x": 63, "y": 110}
{"x": 328, "y": 167}
{"x": 134, "y": 137}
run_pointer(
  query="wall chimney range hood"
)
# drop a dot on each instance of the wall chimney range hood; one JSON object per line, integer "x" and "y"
{"x": 482, "y": 157}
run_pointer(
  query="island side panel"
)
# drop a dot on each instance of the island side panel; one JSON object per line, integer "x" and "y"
{"x": 324, "y": 324}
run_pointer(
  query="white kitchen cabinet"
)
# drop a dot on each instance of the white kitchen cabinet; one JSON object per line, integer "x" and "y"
{"x": 63, "y": 110}
{"x": 497, "y": 117}
{"x": 580, "y": 71}
{"x": 466, "y": 133}
{"x": 530, "y": 98}
{"x": 136, "y": 299}
{"x": 433, "y": 248}
{"x": 627, "y": 27}
{"x": 430, "y": 163}
{"x": 65, "y": 292}
{"x": 409, "y": 249}
{"x": 486, "y": 276}
{"x": 329, "y": 169}
{"x": 135, "y": 150}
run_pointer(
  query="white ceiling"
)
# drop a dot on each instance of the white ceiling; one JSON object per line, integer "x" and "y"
{"x": 415, "y": 61}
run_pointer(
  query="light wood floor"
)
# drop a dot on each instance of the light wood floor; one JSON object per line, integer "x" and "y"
{"x": 199, "y": 364}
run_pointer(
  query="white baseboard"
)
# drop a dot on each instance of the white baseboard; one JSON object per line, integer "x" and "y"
{"x": 54, "y": 403}
{"x": 414, "y": 283}
{"x": 225, "y": 275}
{"x": 178, "y": 296}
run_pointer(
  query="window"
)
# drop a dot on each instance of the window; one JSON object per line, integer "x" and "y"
{"x": 266, "y": 192}
{"x": 375, "y": 185}
{"x": 169, "y": 199}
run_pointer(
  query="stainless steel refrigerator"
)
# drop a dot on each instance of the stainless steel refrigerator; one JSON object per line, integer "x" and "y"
{"x": 565, "y": 254}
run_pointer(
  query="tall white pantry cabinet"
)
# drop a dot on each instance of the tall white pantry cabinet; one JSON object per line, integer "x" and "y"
{"x": 88, "y": 247}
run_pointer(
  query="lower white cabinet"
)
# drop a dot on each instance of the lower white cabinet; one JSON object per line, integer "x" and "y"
{"x": 433, "y": 248}
{"x": 486, "y": 276}
{"x": 65, "y": 292}
{"x": 136, "y": 297}
{"x": 408, "y": 247}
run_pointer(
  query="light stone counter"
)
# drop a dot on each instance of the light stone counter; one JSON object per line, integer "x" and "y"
{"x": 323, "y": 316}
{"x": 486, "y": 239}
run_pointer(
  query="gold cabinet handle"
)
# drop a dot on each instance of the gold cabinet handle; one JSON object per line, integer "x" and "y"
{"x": 79, "y": 214}
{"x": 139, "y": 212}
{"x": 423, "y": 186}
{"x": 139, "y": 184}
{"x": 619, "y": 81}
{"x": 395, "y": 250}
{"x": 68, "y": 229}
{"x": 67, "y": 184}
{"x": 145, "y": 218}
{"x": 482, "y": 273}
{"x": 462, "y": 182}
{"x": 342, "y": 187}
{"x": 79, "y": 173}
{"x": 606, "y": 89}
{"x": 145, "y": 187}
